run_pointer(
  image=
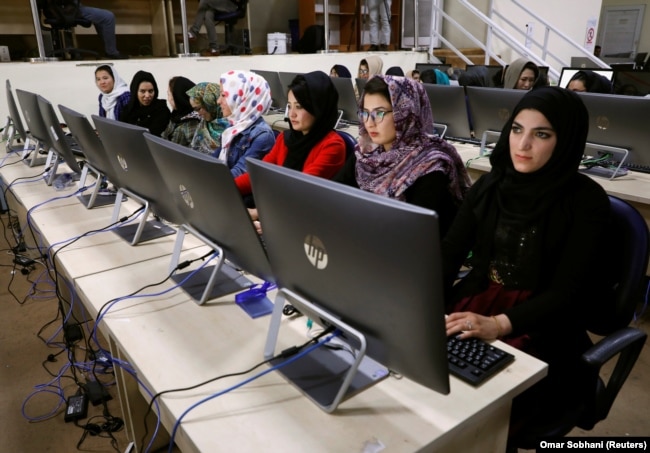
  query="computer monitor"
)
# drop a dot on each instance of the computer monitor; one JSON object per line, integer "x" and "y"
{"x": 335, "y": 272}
{"x": 18, "y": 130}
{"x": 278, "y": 92}
{"x": 37, "y": 129}
{"x": 632, "y": 83}
{"x": 424, "y": 66}
{"x": 568, "y": 73}
{"x": 449, "y": 107}
{"x": 203, "y": 189}
{"x": 583, "y": 62}
{"x": 138, "y": 177}
{"x": 361, "y": 84}
{"x": 347, "y": 99}
{"x": 285, "y": 80}
{"x": 97, "y": 160}
{"x": 60, "y": 145}
{"x": 489, "y": 109}
{"x": 621, "y": 122}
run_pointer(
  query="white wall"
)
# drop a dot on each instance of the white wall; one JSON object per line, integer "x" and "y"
{"x": 569, "y": 16}
{"x": 73, "y": 83}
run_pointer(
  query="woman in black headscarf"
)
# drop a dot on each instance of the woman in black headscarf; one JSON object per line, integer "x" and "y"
{"x": 144, "y": 108}
{"x": 184, "y": 120}
{"x": 590, "y": 82}
{"x": 531, "y": 224}
{"x": 310, "y": 145}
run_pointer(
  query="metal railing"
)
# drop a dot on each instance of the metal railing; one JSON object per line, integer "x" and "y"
{"x": 496, "y": 31}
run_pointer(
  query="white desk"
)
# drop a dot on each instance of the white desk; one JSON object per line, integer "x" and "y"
{"x": 174, "y": 343}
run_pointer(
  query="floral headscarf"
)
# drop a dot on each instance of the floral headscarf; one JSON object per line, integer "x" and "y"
{"x": 249, "y": 97}
{"x": 414, "y": 152}
{"x": 207, "y": 137}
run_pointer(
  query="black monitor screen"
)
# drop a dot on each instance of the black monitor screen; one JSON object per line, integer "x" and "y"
{"x": 632, "y": 83}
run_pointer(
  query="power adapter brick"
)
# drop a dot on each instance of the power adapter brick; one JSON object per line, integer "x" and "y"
{"x": 77, "y": 408}
{"x": 96, "y": 392}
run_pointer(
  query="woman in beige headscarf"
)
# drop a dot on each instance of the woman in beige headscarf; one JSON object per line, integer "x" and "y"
{"x": 521, "y": 74}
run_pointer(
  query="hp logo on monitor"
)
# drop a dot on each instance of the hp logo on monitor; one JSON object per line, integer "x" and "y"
{"x": 122, "y": 161}
{"x": 315, "y": 251}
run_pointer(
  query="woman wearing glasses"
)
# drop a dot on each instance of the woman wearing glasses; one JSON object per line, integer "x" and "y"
{"x": 397, "y": 157}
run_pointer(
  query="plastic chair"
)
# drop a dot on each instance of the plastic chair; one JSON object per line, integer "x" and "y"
{"x": 629, "y": 257}
{"x": 230, "y": 19}
{"x": 62, "y": 16}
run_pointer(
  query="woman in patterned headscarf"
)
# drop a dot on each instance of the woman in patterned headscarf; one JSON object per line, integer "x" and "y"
{"x": 204, "y": 99}
{"x": 397, "y": 157}
{"x": 245, "y": 97}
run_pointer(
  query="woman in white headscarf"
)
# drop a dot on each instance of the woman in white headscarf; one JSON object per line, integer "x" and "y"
{"x": 115, "y": 93}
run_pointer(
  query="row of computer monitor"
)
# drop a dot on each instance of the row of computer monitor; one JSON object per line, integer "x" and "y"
{"x": 625, "y": 79}
{"x": 321, "y": 261}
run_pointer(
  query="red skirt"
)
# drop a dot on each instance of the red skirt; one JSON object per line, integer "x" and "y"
{"x": 494, "y": 301}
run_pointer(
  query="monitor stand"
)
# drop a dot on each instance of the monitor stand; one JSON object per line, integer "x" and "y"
{"x": 145, "y": 229}
{"x": 333, "y": 372}
{"x": 94, "y": 199}
{"x": 32, "y": 156}
{"x": 210, "y": 282}
{"x": 617, "y": 154}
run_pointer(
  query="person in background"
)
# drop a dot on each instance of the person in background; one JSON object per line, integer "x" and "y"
{"x": 521, "y": 74}
{"x": 205, "y": 16}
{"x": 338, "y": 70}
{"x": 310, "y": 145}
{"x": 379, "y": 14}
{"x": 245, "y": 97}
{"x": 531, "y": 223}
{"x": 414, "y": 74}
{"x": 204, "y": 99}
{"x": 184, "y": 120}
{"x": 395, "y": 71}
{"x": 397, "y": 157}
{"x": 597, "y": 50}
{"x": 104, "y": 23}
{"x": 144, "y": 108}
{"x": 434, "y": 77}
{"x": 370, "y": 66}
{"x": 590, "y": 82}
{"x": 114, "y": 92}
{"x": 474, "y": 76}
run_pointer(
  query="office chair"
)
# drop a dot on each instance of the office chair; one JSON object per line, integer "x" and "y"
{"x": 62, "y": 16}
{"x": 629, "y": 257}
{"x": 230, "y": 19}
{"x": 350, "y": 143}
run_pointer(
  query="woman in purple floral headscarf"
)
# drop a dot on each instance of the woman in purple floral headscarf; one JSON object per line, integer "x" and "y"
{"x": 398, "y": 156}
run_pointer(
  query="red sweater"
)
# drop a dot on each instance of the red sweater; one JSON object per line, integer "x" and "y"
{"x": 324, "y": 160}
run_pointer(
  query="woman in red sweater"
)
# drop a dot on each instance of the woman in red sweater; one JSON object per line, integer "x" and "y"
{"x": 310, "y": 145}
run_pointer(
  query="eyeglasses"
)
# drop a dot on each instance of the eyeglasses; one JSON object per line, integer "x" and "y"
{"x": 363, "y": 71}
{"x": 376, "y": 115}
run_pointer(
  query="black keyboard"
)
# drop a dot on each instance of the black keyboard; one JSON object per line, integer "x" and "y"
{"x": 474, "y": 360}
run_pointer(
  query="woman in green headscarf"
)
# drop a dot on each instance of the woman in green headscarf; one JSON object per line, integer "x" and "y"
{"x": 204, "y": 100}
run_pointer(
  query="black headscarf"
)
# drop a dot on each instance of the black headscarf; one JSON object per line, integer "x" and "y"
{"x": 321, "y": 100}
{"x": 181, "y": 100}
{"x": 526, "y": 197}
{"x": 594, "y": 82}
{"x": 134, "y": 108}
